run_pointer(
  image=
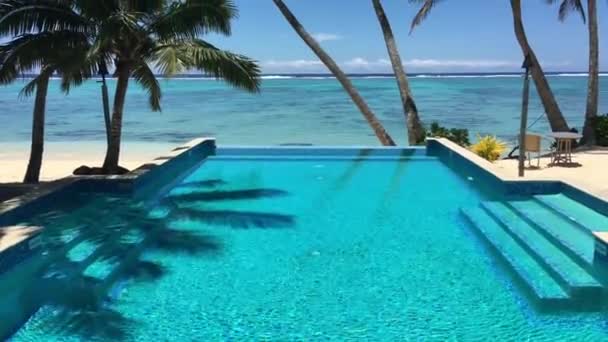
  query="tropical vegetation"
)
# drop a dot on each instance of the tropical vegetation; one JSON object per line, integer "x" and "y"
{"x": 552, "y": 110}
{"x": 601, "y": 129}
{"x": 458, "y": 135}
{"x": 415, "y": 130}
{"x": 489, "y": 147}
{"x": 139, "y": 36}
{"x": 47, "y": 43}
{"x": 380, "y": 132}
{"x": 76, "y": 39}
{"x": 136, "y": 37}
{"x": 591, "y": 109}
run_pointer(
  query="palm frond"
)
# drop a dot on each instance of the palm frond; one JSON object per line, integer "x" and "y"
{"x": 20, "y": 17}
{"x": 145, "y": 77}
{"x": 423, "y": 12}
{"x": 171, "y": 60}
{"x": 568, "y": 6}
{"x": 64, "y": 51}
{"x": 144, "y": 6}
{"x": 76, "y": 68}
{"x": 96, "y": 10}
{"x": 32, "y": 85}
{"x": 193, "y": 18}
{"x": 20, "y": 55}
{"x": 237, "y": 70}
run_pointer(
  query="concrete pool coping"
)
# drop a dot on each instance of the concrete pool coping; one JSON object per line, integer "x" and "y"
{"x": 506, "y": 170}
{"x": 12, "y": 235}
{"x": 501, "y": 174}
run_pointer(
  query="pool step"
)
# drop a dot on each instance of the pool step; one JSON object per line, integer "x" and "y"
{"x": 578, "y": 282}
{"x": 546, "y": 290}
{"x": 575, "y": 212}
{"x": 577, "y": 243}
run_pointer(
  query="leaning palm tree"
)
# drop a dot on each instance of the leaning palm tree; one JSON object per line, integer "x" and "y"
{"x": 163, "y": 35}
{"x": 35, "y": 48}
{"x": 554, "y": 114}
{"x": 415, "y": 130}
{"x": 381, "y": 133}
{"x": 593, "y": 79}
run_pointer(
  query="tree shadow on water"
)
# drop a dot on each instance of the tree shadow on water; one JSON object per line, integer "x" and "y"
{"x": 227, "y": 195}
{"x": 112, "y": 239}
{"x": 208, "y": 183}
{"x": 178, "y": 241}
{"x": 113, "y": 234}
{"x": 236, "y": 219}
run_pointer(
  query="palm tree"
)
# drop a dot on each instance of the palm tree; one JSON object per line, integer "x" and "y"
{"x": 33, "y": 48}
{"x": 164, "y": 34}
{"x": 383, "y": 136}
{"x": 593, "y": 81}
{"x": 554, "y": 114}
{"x": 415, "y": 130}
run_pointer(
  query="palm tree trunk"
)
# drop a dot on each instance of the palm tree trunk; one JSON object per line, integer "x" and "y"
{"x": 379, "y": 130}
{"x": 110, "y": 164}
{"x": 593, "y": 83}
{"x": 415, "y": 131}
{"x": 32, "y": 174}
{"x": 554, "y": 114}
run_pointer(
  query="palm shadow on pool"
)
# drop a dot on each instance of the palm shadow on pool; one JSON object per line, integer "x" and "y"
{"x": 184, "y": 207}
{"x": 120, "y": 230}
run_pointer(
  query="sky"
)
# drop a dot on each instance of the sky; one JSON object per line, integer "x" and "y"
{"x": 458, "y": 36}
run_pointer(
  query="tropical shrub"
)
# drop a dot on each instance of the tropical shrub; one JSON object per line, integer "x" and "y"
{"x": 489, "y": 147}
{"x": 457, "y": 135}
{"x": 601, "y": 130}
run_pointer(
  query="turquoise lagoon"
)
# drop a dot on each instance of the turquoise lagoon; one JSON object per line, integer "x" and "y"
{"x": 295, "y": 110}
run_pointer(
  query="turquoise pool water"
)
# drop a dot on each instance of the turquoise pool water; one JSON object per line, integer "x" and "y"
{"x": 287, "y": 249}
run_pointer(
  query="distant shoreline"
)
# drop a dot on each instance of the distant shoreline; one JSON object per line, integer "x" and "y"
{"x": 381, "y": 75}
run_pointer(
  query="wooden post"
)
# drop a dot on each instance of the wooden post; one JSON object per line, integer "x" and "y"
{"x": 524, "y": 116}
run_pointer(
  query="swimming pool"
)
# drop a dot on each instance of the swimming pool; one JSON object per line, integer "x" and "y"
{"x": 283, "y": 244}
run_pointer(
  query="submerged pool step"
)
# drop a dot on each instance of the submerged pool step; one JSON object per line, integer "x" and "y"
{"x": 575, "y": 212}
{"x": 542, "y": 285}
{"x": 575, "y": 242}
{"x": 577, "y": 281}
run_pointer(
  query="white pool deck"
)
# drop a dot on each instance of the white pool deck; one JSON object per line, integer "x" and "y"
{"x": 589, "y": 174}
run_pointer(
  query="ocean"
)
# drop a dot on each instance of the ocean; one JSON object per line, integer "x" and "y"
{"x": 295, "y": 109}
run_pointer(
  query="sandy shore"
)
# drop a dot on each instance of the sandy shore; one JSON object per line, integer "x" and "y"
{"x": 588, "y": 173}
{"x": 61, "y": 158}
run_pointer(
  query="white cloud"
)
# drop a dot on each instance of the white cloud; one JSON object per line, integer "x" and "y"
{"x": 293, "y": 64}
{"x": 325, "y": 37}
{"x": 383, "y": 65}
{"x": 469, "y": 64}
{"x": 362, "y": 63}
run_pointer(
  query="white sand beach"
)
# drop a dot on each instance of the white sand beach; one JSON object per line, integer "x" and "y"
{"x": 589, "y": 172}
{"x": 61, "y": 158}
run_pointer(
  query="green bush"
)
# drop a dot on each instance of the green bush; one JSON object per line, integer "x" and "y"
{"x": 601, "y": 130}
{"x": 457, "y": 135}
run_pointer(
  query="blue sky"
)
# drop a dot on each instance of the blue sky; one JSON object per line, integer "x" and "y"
{"x": 459, "y": 36}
